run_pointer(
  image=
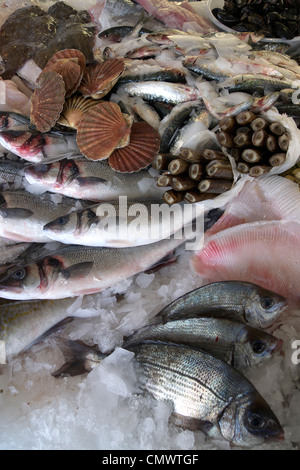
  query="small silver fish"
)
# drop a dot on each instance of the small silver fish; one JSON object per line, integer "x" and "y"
{"x": 167, "y": 92}
{"x": 235, "y": 343}
{"x": 237, "y": 300}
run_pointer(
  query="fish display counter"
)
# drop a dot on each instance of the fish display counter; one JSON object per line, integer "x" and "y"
{"x": 149, "y": 225}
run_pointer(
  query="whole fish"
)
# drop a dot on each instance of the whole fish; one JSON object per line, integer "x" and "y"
{"x": 248, "y": 83}
{"x": 236, "y": 300}
{"x": 235, "y": 343}
{"x": 145, "y": 72}
{"x": 35, "y": 147}
{"x": 117, "y": 33}
{"x": 167, "y": 92}
{"x": 86, "y": 179}
{"x": 23, "y": 215}
{"x": 23, "y": 323}
{"x": 206, "y": 67}
{"x": 266, "y": 253}
{"x": 204, "y": 392}
{"x": 118, "y": 224}
{"x": 77, "y": 270}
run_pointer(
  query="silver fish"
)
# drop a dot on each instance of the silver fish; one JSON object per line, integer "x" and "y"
{"x": 85, "y": 179}
{"x": 23, "y": 323}
{"x": 240, "y": 301}
{"x": 23, "y": 215}
{"x": 205, "y": 393}
{"x": 235, "y": 343}
{"x": 77, "y": 270}
{"x": 10, "y": 121}
{"x": 167, "y": 92}
{"x": 119, "y": 224}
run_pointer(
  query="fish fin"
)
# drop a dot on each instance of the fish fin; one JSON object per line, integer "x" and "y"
{"x": 16, "y": 213}
{"x": 77, "y": 270}
{"x": 169, "y": 259}
{"x": 76, "y": 356}
{"x": 193, "y": 424}
{"x": 85, "y": 181}
{"x": 54, "y": 329}
{"x": 212, "y": 217}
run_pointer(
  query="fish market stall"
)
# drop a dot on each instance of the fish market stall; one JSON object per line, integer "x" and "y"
{"x": 149, "y": 225}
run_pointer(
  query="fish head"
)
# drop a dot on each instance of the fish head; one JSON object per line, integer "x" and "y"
{"x": 4, "y": 121}
{"x": 25, "y": 281}
{"x": 76, "y": 223}
{"x": 248, "y": 420}
{"x": 253, "y": 346}
{"x": 55, "y": 174}
{"x": 263, "y": 307}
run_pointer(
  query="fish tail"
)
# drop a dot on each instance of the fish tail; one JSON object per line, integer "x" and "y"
{"x": 80, "y": 357}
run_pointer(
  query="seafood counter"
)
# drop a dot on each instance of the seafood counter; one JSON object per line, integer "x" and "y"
{"x": 149, "y": 225}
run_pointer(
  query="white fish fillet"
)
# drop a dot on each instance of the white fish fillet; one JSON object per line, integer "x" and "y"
{"x": 265, "y": 253}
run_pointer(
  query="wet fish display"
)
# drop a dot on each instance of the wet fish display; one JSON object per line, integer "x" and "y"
{"x": 133, "y": 105}
{"x": 237, "y": 300}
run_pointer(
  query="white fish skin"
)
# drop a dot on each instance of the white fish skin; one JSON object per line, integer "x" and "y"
{"x": 266, "y": 198}
{"x": 78, "y": 270}
{"x": 264, "y": 253}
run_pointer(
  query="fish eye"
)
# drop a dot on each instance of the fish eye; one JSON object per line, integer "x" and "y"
{"x": 90, "y": 215}
{"x": 19, "y": 275}
{"x": 63, "y": 220}
{"x": 258, "y": 347}
{"x": 255, "y": 421}
{"x": 267, "y": 303}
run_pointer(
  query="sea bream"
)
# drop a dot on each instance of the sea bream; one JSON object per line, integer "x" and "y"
{"x": 239, "y": 301}
{"x": 77, "y": 270}
{"x": 204, "y": 393}
{"x": 81, "y": 178}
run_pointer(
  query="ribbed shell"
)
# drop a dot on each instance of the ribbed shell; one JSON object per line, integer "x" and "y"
{"x": 99, "y": 79}
{"x": 74, "y": 108}
{"x": 47, "y": 100}
{"x": 101, "y": 130}
{"x": 139, "y": 153}
{"x": 71, "y": 73}
{"x": 74, "y": 54}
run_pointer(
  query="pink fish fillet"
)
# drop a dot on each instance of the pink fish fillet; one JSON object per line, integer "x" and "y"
{"x": 174, "y": 16}
{"x": 269, "y": 198}
{"x": 265, "y": 253}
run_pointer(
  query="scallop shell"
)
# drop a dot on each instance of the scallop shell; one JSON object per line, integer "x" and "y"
{"x": 99, "y": 79}
{"x": 70, "y": 72}
{"x": 47, "y": 100}
{"x": 101, "y": 129}
{"x": 144, "y": 144}
{"x": 74, "y": 108}
{"x": 73, "y": 54}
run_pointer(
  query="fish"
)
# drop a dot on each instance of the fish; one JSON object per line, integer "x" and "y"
{"x": 11, "y": 171}
{"x": 35, "y": 147}
{"x": 204, "y": 392}
{"x": 81, "y": 178}
{"x": 249, "y": 82}
{"x": 145, "y": 72}
{"x": 117, "y": 33}
{"x": 235, "y": 343}
{"x": 23, "y": 215}
{"x": 10, "y": 121}
{"x": 239, "y": 301}
{"x": 265, "y": 253}
{"x": 74, "y": 270}
{"x": 207, "y": 68}
{"x": 121, "y": 223}
{"x": 173, "y": 93}
{"x": 24, "y": 323}
{"x": 175, "y": 16}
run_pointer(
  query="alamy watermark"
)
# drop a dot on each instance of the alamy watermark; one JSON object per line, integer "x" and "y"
{"x": 296, "y": 353}
{"x": 296, "y": 97}
{"x": 153, "y": 222}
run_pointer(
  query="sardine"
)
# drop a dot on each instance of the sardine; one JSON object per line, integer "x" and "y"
{"x": 117, "y": 33}
{"x": 248, "y": 83}
{"x": 77, "y": 270}
{"x": 172, "y": 93}
{"x": 35, "y": 147}
{"x": 204, "y": 392}
{"x": 118, "y": 224}
{"x": 86, "y": 179}
{"x": 236, "y": 300}
{"x": 235, "y": 343}
{"x": 23, "y": 215}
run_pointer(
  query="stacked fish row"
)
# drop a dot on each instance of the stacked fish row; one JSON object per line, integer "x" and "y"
{"x": 193, "y": 176}
{"x": 256, "y": 144}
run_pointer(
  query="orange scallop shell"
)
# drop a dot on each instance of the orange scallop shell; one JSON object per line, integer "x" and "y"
{"x": 47, "y": 100}
{"x": 70, "y": 72}
{"x": 101, "y": 130}
{"x": 98, "y": 79}
{"x": 74, "y": 108}
{"x": 73, "y": 54}
{"x": 144, "y": 144}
